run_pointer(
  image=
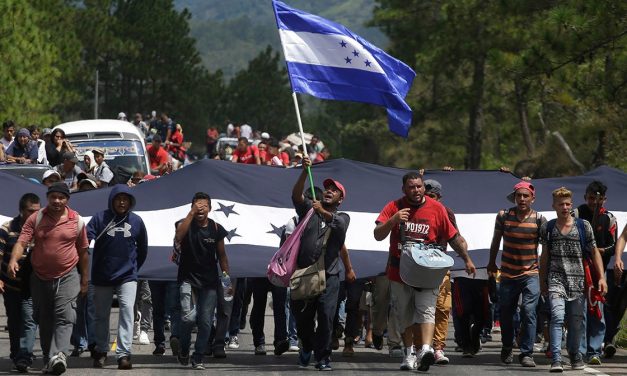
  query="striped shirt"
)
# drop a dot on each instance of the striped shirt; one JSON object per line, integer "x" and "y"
{"x": 520, "y": 243}
{"x": 9, "y": 233}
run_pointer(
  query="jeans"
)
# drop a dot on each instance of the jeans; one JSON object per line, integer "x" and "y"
{"x": 260, "y": 287}
{"x": 165, "y": 299}
{"x": 320, "y": 309}
{"x": 103, "y": 296}
{"x": 22, "y": 326}
{"x": 83, "y": 330}
{"x": 573, "y": 310}
{"x": 54, "y": 309}
{"x": 143, "y": 305}
{"x": 470, "y": 302}
{"x": 592, "y": 333}
{"x": 238, "y": 303}
{"x": 510, "y": 289}
{"x": 222, "y": 319}
{"x": 351, "y": 307}
{"x": 292, "y": 333}
{"x": 197, "y": 306}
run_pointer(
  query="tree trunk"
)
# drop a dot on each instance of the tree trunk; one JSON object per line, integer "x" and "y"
{"x": 521, "y": 106}
{"x": 475, "y": 118}
{"x": 599, "y": 153}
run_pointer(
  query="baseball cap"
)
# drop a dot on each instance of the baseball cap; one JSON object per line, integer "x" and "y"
{"x": 59, "y": 188}
{"x": 69, "y": 156}
{"x": 88, "y": 181}
{"x": 328, "y": 182}
{"x": 522, "y": 185}
{"x": 121, "y": 115}
{"x": 100, "y": 151}
{"x": 433, "y": 186}
{"x": 49, "y": 173}
{"x": 265, "y": 135}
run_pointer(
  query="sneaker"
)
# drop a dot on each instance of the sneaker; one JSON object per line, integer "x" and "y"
{"x": 22, "y": 365}
{"x": 304, "y": 358}
{"x": 467, "y": 354}
{"x": 427, "y": 358}
{"x": 57, "y": 364}
{"x": 77, "y": 352}
{"x": 281, "y": 347}
{"x": 496, "y": 328}
{"x": 159, "y": 350}
{"x": 576, "y": 362}
{"x": 609, "y": 350}
{"x": 198, "y": 366}
{"x": 218, "y": 352}
{"x": 125, "y": 363}
{"x": 348, "y": 349}
{"x": 233, "y": 343}
{"x": 594, "y": 360}
{"x": 556, "y": 367}
{"x": 183, "y": 359}
{"x": 440, "y": 358}
{"x": 99, "y": 359}
{"x": 526, "y": 361}
{"x": 260, "y": 350}
{"x": 507, "y": 356}
{"x": 325, "y": 365}
{"x": 409, "y": 359}
{"x": 396, "y": 352}
{"x": 143, "y": 338}
{"x": 377, "y": 341}
{"x": 175, "y": 346}
{"x": 293, "y": 347}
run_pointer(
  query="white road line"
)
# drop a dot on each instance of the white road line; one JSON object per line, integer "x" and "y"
{"x": 594, "y": 372}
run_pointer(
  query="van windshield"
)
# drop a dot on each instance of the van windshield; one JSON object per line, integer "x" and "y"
{"x": 126, "y": 153}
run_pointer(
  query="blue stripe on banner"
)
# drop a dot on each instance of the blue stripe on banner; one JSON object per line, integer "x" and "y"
{"x": 297, "y": 20}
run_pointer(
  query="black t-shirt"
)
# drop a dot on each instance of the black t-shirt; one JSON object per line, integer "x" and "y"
{"x": 199, "y": 255}
{"x": 313, "y": 237}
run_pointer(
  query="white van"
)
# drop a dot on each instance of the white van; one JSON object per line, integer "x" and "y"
{"x": 123, "y": 142}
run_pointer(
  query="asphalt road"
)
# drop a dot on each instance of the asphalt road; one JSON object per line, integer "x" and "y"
{"x": 244, "y": 362}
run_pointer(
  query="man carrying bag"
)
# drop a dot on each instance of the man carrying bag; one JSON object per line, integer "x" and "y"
{"x": 321, "y": 242}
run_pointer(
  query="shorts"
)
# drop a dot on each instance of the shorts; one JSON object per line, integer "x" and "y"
{"x": 411, "y": 306}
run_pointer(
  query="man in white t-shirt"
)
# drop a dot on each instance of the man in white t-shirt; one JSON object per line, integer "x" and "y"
{"x": 245, "y": 130}
{"x": 103, "y": 173}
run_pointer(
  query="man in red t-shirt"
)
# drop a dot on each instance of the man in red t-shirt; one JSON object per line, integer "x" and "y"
{"x": 245, "y": 153}
{"x": 157, "y": 156}
{"x": 274, "y": 157}
{"x": 413, "y": 310}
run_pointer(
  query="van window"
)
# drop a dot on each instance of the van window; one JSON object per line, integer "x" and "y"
{"x": 126, "y": 153}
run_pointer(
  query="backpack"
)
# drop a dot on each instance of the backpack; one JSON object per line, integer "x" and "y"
{"x": 593, "y": 295}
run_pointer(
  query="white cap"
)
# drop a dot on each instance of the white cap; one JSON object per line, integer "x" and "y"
{"x": 49, "y": 173}
{"x": 121, "y": 116}
{"x": 265, "y": 135}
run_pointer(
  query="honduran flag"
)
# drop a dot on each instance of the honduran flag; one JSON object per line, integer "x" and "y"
{"x": 328, "y": 61}
{"x": 253, "y": 203}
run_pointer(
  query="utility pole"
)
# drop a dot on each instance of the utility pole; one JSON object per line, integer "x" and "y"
{"x": 96, "y": 96}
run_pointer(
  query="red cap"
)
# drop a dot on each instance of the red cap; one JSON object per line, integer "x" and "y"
{"x": 522, "y": 185}
{"x": 336, "y": 183}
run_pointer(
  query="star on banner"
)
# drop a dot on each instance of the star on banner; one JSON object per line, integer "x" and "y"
{"x": 368, "y": 63}
{"x": 348, "y": 60}
{"x": 343, "y": 44}
{"x": 278, "y": 231}
{"x": 232, "y": 234}
{"x": 355, "y": 53}
{"x": 227, "y": 209}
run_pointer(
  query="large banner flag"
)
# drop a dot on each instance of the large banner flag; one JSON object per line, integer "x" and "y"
{"x": 253, "y": 203}
{"x": 328, "y": 61}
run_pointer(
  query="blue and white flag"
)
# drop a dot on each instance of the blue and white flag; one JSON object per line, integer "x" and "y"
{"x": 328, "y": 61}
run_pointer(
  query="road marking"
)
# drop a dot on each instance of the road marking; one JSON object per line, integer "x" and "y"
{"x": 594, "y": 371}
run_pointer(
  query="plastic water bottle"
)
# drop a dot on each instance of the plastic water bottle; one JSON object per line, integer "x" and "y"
{"x": 227, "y": 287}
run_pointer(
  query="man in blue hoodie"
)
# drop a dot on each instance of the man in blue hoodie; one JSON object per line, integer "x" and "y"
{"x": 121, "y": 245}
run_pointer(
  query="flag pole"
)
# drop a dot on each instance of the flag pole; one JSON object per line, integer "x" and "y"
{"x": 302, "y": 139}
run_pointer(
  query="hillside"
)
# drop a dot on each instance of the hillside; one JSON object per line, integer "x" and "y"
{"x": 230, "y": 33}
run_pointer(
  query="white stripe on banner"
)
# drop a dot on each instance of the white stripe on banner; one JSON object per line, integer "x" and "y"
{"x": 331, "y": 50}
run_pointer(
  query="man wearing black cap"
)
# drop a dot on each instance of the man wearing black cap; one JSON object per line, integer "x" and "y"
{"x": 60, "y": 246}
{"x": 314, "y": 240}
{"x": 22, "y": 150}
{"x": 69, "y": 171}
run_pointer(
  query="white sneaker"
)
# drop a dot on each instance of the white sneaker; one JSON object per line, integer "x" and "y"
{"x": 233, "y": 343}
{"x": 440, "y": 358}
{"x": 143, "y": 338}
{"x": 425, "y": 359}
{"x": 409, "y": 359}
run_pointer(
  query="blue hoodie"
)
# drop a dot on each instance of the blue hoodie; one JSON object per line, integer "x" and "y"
{"x": 121, "y": 243}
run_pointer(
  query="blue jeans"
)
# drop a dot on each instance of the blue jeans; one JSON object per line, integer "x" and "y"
{"x": 573, "y": 310}
{"x": 292, "y": 335}
{"x": 22, "y": 326}
{"x": 197, "y": 306}
{"x": 165, "y": 299}
{"x": 238, "y": 303}
{"x": 83, "y": 330}
{"x": 592, "y": 334}
{"x": 103, "y": 296}
{"x": 510, "y": 290}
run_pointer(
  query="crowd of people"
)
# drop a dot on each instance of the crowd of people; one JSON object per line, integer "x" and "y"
{"x": 539, "y": 292}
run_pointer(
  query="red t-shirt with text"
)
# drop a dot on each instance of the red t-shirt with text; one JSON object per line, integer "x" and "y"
{"x": 428, "y": 222}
